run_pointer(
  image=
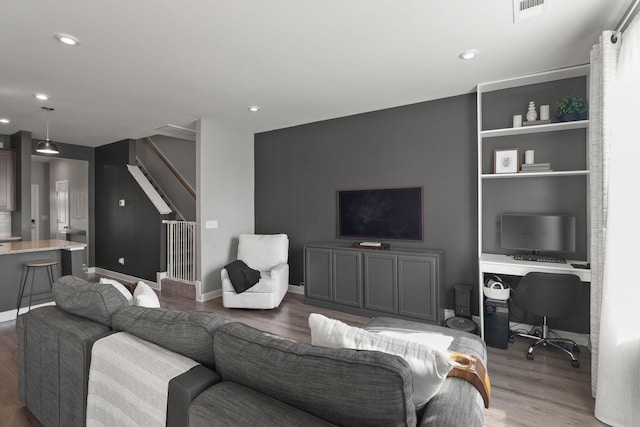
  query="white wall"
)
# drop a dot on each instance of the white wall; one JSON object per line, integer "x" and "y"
{"x": 225, "y": 188}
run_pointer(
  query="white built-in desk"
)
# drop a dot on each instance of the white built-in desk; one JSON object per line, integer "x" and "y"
{"x": 504, "y": 264}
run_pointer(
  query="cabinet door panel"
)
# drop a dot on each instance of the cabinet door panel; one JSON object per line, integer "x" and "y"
{"x": 7, "y": 180}
{"x": 380, "y": 275}
{"x": 417, "y": 291}
{"x": 347, "y": 278}
{"x": 317, "y": 275}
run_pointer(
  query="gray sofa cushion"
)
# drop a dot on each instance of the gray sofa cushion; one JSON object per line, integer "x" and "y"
{"x": 231, "y": 404}
{"x": 189, "y": 333}
{"x": 54, "y": 354}
{"x": 95, "y": 301}
{"x": 341, "y": 386}
{"x": 457, "y": 403}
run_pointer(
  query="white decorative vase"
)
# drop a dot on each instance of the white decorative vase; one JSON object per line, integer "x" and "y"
{"x": 531, "y": 112}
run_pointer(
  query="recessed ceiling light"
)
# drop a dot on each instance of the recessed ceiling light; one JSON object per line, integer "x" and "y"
{"x": 254, "y": 108}
{"x": 468, "y": 54}
{"x": 67, "y": 39}
{"x": 5, "y": 121}
{"x": 41, "y": 96}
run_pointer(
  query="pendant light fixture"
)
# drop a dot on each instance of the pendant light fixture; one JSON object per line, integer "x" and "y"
{"x": 46, "y": 146}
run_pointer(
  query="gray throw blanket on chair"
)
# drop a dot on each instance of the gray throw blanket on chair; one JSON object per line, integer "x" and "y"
{"x": 242, "y": 276}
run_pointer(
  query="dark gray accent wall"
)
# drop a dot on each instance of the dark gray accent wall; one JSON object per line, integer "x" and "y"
{"x": 432, "y": 144}
{"x": 134, "y": 231}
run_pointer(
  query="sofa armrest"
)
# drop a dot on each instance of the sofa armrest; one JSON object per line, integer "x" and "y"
{"x": 54, "y": 355}
{"x": 183, "y": 389}
{"x": 280, "y": 273}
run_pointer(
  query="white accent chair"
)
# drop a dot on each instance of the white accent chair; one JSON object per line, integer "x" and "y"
{"x": 268, "y": 254}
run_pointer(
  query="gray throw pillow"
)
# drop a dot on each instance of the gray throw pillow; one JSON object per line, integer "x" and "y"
{"x": 95, "y": 301}
{"x": 189, "y": 333}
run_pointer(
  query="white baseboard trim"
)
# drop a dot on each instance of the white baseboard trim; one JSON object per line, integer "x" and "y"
{"x": 121, "y": 276}
{"x": 5, "y": 316}
{"x": 209, "y": 295}
{"x": 296, "y": 289}
{"x": 580, "y": 339}
{"x": 159, "y": 276}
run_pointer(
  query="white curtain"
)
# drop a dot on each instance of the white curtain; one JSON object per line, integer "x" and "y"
{"x": 604, "y": 61}
{"x": 615, "y": 231}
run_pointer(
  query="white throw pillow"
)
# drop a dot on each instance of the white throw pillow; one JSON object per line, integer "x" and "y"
{"x": 144, "y": 296}
{"x": 429, "y": 366}
{"x": 119, "y": 286}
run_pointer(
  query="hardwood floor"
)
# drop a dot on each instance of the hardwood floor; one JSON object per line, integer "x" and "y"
{"x": 540, "y": 393}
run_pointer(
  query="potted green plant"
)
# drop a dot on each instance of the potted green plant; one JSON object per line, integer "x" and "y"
{"x": 571, "y": 108}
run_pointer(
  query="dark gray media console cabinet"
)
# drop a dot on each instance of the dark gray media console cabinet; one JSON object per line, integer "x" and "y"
{"x": 399, "y": 282}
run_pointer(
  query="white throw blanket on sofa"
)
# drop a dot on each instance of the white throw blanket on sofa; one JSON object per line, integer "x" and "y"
{"x": 129, "y": 381}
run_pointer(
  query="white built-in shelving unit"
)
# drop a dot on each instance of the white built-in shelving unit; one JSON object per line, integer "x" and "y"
{"x": 490, "y": 138}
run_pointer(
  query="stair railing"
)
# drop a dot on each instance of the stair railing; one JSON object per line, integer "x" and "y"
{"x": 168, "y": 164}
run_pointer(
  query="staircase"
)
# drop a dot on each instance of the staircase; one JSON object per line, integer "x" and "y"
{"x": 166, "y": 177}
{"x": 180, "y": 235}
{"x": 175, "y": 212}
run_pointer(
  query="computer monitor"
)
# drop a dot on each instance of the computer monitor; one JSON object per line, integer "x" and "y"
{"x": 538, "y": 233}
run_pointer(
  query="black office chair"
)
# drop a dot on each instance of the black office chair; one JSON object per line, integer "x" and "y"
{"x": 551, "y": 296}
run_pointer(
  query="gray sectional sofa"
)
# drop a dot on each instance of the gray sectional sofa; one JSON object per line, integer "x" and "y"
{"x": 244, "y": 376}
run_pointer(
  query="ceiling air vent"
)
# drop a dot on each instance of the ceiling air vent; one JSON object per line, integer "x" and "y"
{"x": 177, "y": 132}
{"x": 524, "y": 9}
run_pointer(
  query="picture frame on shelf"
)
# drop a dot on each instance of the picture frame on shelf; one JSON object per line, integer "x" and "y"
{"x": 506, "y": 160}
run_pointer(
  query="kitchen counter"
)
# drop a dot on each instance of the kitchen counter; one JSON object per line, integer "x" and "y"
{"x": 13, "y": 257}
{"x": 39, "y": 246}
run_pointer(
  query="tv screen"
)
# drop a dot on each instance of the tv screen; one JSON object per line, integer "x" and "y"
{"x": 553, "y": 233}
{"x": 392, "y": 213}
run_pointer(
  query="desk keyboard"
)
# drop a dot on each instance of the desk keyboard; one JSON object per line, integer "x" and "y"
{"x": 540, "y": 258}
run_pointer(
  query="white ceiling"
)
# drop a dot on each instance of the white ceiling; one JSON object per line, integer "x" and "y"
{"x": 145, "y": 63}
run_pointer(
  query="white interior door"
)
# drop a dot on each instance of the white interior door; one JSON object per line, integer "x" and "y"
{"x": 62, "y": 206}
{"x": 35, "y": 212}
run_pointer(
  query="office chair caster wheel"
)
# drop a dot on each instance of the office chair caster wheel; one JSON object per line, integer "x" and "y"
{"x": 575, "y": 363}
{"x": 575, "y": 349}
{"x": 530, "y": 356}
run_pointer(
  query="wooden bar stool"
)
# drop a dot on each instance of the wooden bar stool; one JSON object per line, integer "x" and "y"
{"x": 29, "y": 266}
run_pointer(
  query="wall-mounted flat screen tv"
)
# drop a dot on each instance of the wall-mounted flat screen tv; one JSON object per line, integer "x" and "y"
{"x": 381, "y": 214}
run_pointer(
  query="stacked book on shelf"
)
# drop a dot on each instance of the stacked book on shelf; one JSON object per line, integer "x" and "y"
{"x": 536, "y": 167}
{"x": 536, "y": 122}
